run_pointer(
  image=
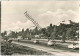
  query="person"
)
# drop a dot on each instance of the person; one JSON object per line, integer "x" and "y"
{"x": 48, "y": 38}
{"x": 18, "y": 40}
{"x": 10, "y": 41}
{"x": 54, "y": 43}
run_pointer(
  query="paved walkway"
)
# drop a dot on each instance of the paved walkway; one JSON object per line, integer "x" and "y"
{"x": 49, "y": 50}
{"x": 45, "y": 41}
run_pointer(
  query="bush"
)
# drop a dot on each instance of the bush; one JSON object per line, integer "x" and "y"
{"x": 6, "y": 48}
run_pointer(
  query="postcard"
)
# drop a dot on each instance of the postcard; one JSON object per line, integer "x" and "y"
{"x": 39, "y": 27}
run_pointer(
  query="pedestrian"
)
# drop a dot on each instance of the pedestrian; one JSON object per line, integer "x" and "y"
{"x": 10, "y": 41}
{"x": 54, "y": 43}
{"x": 18, "y": 40}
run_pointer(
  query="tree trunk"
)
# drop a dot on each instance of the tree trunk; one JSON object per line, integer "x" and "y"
{"x": 64, "y": 37}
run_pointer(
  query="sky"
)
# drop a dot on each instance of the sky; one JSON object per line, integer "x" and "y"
{"x": 44, "y": 12}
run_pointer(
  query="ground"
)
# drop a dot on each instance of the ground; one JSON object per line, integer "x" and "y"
{"x": 27, "y": 47}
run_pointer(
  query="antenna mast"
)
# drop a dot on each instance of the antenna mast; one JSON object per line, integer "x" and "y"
{"x": 32, "y": 20}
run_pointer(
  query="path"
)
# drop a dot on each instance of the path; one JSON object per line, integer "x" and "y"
{"x": 48, "y": 50}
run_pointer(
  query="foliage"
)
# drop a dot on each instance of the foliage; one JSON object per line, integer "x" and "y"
{"x": 6, "y": 38}
{"x": 4, "y": 33}
{"x": 63, "y": 31}
{"x": 6, "y": 48}
{"x": 10, "y": 49}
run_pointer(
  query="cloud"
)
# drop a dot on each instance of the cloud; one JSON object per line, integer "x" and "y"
{"x": 18, "y": 26}
{"x": 55, "y": 17}
{"x": 44, "y": 20}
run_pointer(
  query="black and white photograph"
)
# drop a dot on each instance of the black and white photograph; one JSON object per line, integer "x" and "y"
{"x": 35, "y": 27}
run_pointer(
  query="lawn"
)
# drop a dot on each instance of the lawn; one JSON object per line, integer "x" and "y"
{"x": 10, "y": 49}
{"x": 56, "y": 46}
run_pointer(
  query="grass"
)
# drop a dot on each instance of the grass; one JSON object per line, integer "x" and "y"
{"x": 56, "y": 46}
{"x": 28, "y": 51}
{"x": 14, "y": 48}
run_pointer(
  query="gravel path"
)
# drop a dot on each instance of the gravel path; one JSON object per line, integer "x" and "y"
{"x": 48, "y": 50}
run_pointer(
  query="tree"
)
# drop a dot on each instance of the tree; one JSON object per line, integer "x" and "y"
{"x": 49, "y": 30}
{"x": 4, "y": 33}
{"x": 6, "y": 38}
{"x": 51, "y": 26}
{"x": 16, "y": 34}
{"x": 23, "y": 34}
{"x": 68, "y": 33}
{"x": 27, "y": 30}
{"x": 63, "y": 37}
{"x": 22, "y": 30}
{"x": 12, "y": 34}
{"x": 36, "y": 31}
{"x": 53, "y": 35}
